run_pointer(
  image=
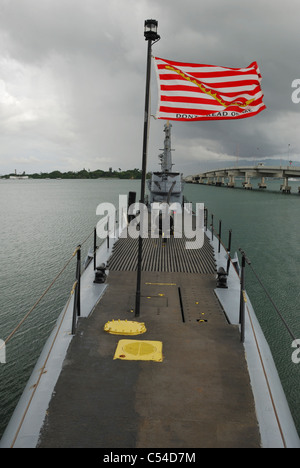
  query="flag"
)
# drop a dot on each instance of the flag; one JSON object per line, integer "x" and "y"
{"x": 189, "y": 91}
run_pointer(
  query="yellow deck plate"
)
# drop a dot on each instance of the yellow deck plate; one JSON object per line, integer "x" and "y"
{"x": 134, "y": 350}
{"x": 124, "y": 327}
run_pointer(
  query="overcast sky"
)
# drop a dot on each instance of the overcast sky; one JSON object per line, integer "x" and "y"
{"x": 72, "y": 82}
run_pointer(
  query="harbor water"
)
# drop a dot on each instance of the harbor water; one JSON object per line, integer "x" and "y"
{"x": 42, "y": 222}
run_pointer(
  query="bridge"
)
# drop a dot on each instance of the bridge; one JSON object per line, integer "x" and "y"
{"x": 227, "y": 177}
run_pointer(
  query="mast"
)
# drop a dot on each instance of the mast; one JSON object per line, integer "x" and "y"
{"x": 166, "y": 156}
{"x": 166, "y": 185}
{"x": 150, "y": 34}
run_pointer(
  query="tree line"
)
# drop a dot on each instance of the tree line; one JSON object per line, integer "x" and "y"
{"x": 87, "y": 174}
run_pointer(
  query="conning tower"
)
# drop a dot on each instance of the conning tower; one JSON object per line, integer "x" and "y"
{"x": 166, "y": 185}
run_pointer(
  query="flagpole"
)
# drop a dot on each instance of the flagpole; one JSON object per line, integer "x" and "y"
{"x": 150, "y": 33}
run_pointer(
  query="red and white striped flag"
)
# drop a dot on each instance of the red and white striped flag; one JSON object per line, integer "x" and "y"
{"x": 189, "y": 91}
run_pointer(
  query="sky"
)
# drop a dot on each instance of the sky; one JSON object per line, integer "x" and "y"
{"x": 72, "y": 82}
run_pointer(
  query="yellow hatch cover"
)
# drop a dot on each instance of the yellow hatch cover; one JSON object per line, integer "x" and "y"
{"x": 133, "y": 350}
{"x": 124, "y": 327}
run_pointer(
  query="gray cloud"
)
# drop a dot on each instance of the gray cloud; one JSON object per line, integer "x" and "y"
{"x": 72, "y": 81}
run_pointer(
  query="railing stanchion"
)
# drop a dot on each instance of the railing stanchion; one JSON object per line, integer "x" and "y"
{"x": 78, "y": 279}
{"x": 107, "y": 238}
{"x": 243, "y": 295}
{"x": 242, "y": 299}
{"x": 76, "y": 305}
{"x": 229, "y": 250}
{"x": 95, "y": 247}
{"x": 205, "y": 218}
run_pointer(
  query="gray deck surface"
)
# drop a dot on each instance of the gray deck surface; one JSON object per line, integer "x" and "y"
{"x": 170, "y": 256}
{"x": 198, "y": 396}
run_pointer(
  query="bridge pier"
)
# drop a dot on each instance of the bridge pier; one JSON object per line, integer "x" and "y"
{"x": 231, "y": 182}
{"x": 262, "y": 184}
{"x": 285, "y": 187}
{"x": 247, "y": 184}
{"x": 219, "y": 182}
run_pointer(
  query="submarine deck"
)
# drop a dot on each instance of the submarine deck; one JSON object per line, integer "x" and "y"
{"x": 198, "y": 396}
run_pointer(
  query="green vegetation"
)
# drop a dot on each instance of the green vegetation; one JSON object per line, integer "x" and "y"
{"x": 87, "y": 174}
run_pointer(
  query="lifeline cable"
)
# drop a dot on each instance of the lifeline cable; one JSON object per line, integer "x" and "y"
{"x": 44, "y": 293}
{"x": 274, "y": 305}
{"x": 265, "y": 290}
{"x": 37, "y": 302}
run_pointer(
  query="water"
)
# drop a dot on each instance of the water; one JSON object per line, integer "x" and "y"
{"x": 43, "y": 221}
